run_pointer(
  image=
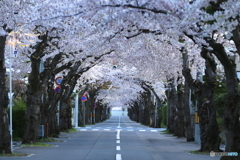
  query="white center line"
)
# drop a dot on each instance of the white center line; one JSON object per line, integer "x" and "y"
{"x": 118, "y": 141}
{"x": 118, "y": 122}
{"x": 130, "y": 130}
{"x": 95, "y": 129}
{"x": 118, "y": 157}
{"x": 142, "y": 130}
{"x": 118, "y": 134}
{"x": 118, "y": 148}
{"x": 83, "y": 129}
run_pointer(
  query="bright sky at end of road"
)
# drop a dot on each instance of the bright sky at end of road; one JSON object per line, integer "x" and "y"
{"x": 117, "y": 108}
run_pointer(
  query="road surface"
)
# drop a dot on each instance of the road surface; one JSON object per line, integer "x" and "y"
{"x": 117, "y": 138}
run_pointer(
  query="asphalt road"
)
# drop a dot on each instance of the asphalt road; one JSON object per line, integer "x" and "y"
{"x": 117, "y": 138}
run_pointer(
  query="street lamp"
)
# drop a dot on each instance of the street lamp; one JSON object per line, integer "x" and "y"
{"x": 10, "y": 88}
{"x": 10, "y": 93}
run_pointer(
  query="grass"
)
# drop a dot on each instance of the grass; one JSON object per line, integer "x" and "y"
{"x": 37, "y": 144}
{"x": 71, "y": 130}
{"x": 165, "y": 131}
{"x": 17, "y": 139}
{"x": 13, "y": 155}
{"x": 198, "y": 152}
{"x": 50, "y": 140}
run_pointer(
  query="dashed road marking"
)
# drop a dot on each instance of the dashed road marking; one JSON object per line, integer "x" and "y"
{"x": 106, "y": 129}
{"x": 83, "y": 130}
{"x": 95, "y": 129}
{"x": 142, "y": 130}
{"x": 118, "y": 141}
{"x": 118, "y": 157}
{"x": 118, "y": 134}
{"x": 130, "y": 130}
{"x": 118, "y": 148}
{"x": 153, "y": 130}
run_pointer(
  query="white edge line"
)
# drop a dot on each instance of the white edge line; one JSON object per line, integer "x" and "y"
{"x": 30, "y": 155}
{"x": 153, "y": 130}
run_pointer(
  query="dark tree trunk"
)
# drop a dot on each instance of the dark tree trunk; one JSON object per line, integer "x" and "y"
{"x": 231, "y": 106}
{"x": 133, "y": 111}
{"x": 33, "y": 114}
{"x": 188, "y": 120}
{"x": 34, "y": 94}
{"x": 49, "y": 108}
{"x": 171, "y": 108}
{"x": 209, "y": 130}
{"x": 5, "y": 138}
{"x": 180, "y": 110}
{"x": 65, "y": 115}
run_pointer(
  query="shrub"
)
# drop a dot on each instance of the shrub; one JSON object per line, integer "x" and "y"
{"x": 18, "y": 113}
{"x": 164, "y": 116}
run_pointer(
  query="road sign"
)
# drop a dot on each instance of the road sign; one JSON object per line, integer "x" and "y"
{"x": 10, "y": 94}
{"x": 57, "y": 89}
{"x": 58, "y": 80}
{"x": 84, "y": 98}
{"x": 15, "y": 53}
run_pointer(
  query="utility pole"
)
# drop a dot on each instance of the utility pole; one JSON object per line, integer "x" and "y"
{"x": 83, "y": 104}
{"x": 10, "y": 94}
{"x": 76, "y": 110}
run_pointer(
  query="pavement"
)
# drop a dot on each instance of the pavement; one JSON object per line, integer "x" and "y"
{"x": 99, "y": 142}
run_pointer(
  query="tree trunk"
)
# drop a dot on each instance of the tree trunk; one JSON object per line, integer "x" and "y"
{"x": 231, "y": 106}
{"x": 209, "y": 130}
{"x": 180, "y": 112}
{"x": 53, "y": 128}
{"x": 34, "y": 94}
{"x": 65, "y": 115}
{"x": 172, "y": 103}
{"x": 32, "y": 119}
{"x": 188, "y": 120}
{"x": 187, "y": 113}
{"x": 33, "y": 113}
{"x": 5, "y": 136}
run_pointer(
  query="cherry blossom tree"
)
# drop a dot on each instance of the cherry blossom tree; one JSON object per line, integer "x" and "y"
{"x": 152, "y": 40}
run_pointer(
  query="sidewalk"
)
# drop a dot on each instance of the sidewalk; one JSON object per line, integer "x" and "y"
{"x": 179, "y": 148}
